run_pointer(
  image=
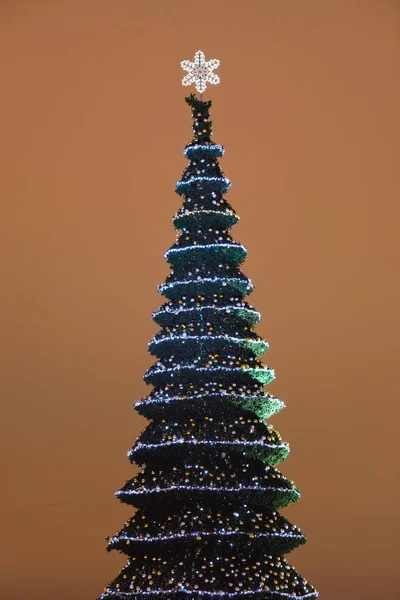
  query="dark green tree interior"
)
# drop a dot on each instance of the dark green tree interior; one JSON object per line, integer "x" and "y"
{"x": 208, "y": 494}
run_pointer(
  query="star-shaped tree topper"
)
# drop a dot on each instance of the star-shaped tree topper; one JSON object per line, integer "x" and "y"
{"x": 200, "y": 71}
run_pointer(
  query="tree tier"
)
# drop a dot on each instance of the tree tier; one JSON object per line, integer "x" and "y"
{"x": 201, "y": 152}
{"x": 160, "y": 375}
{"x": 267, "y": 497}
{"x": 188, "y": 345}
{"x": 230, "y": 253}
{"x": 205, "y": 201}
{"x": 208, "y": 574}
{"x": 191, "y": 436}
{"x": 194, "y": 219}
{"x": 165, "y": 402}
{"x": 205, "y": 235}
{"x": 207, "y": 286}
{"x": 180, "y": 449}
{"x": 233, "y": 312}
{"x": 197, "y": 185}
{"x": 214, "y": 322}
{"x": 221, "y": 477}
{"x": 269, "y": 531}
{"x": 203, "y": 162}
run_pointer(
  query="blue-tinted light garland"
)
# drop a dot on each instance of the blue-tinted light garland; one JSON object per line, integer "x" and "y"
{"x": 224, "y": 180}
{"x": 212, "y": 147}
{"x": 226, "y": 213}
{"x": 224, "y": 282}
{"x": 202, "y": 247}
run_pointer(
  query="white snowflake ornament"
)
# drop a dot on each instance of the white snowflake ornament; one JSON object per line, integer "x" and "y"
{"x": 200, "y": 72}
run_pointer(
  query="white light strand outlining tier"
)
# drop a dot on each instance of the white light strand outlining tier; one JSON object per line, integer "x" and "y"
{"x": 168, "y": 399}
{"x": 228, "y": 309}
{"x": 189, "y": 442}
{"x": 196, "y": 247}
{"x": 207, "y": 147}
{"x": 182, "y": 590}
{"x": 239, "y": 488}
{"x": 200, "y": 71}
{"x": 205, "y": 534}
{"x": 228, "y": 338}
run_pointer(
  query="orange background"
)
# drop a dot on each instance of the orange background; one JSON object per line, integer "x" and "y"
{"x": 93, "y": 125}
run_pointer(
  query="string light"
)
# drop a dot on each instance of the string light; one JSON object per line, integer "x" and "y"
{"x": 264, "y": 405}
{"x": 215, "y": 149}
{"x": 180, "y": 590}
{"x": 264, "y": 374}
{"x": 204, "y": 280}
{"x": 197, "y": 247}
{"x": 201, "y": 212}
{"x": 223, "y": 393}
{"x": 223, "y": 181}
{"x": 240, "y": 487}
{"x": 246, "y": 342}
{"x": 217, "y": 533}
{"x": 140, "y": 445}
{"x": 226, "y": 309}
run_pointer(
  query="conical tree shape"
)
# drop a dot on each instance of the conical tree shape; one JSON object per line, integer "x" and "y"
{"x": 208, "y": 493}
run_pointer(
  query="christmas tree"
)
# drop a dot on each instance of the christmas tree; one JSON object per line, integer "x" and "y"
{"x": 208, "y": 493}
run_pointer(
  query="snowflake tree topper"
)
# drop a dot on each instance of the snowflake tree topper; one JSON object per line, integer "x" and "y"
{"x": 200, "y": 71}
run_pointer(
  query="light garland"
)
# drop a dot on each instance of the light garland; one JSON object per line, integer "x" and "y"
{"x": 224, "y": 393}
{"x": 239, "y": 487}
{"x": 212, "y": 369}
{"x": 224, "y": 180}
{"x": 201, "y": 211}
{"x": 203, "y": 247}
{"x": 229, "y": 217}
{"x": 224, "y": 282}
{"x": 227, "y": 309}
{"x": 206, "y": 593}
{"x": 212, "y": 147}
{"x": 260, "y": 443}
{"x": 164, "y": 538}
{"x": 228, "y": 338}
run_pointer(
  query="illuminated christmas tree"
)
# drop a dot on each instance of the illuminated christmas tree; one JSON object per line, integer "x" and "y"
{"x": 208, "y": 494}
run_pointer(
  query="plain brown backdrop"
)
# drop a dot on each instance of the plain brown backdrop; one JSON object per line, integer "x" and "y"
{"x": 93, "y": 124}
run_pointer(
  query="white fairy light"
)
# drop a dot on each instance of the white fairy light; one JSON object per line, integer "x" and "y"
{"x": 204, "y": 280}
{"x": 216, "y": 148}
{"x": 188, "y": 442}
{"x": 261, "y": 591}
{"x": 193, "y": 179}
{"x": 205, "y": 488}
{"x": 167, "y": 371}
{"x": 200, "y": 71}
{"x": 197, "y": 247}
{"x": 225, "y": 337}
{"x": 228, "y": 308}
{"x": 177, "y": 536}
{"x": 200, "y": 397}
